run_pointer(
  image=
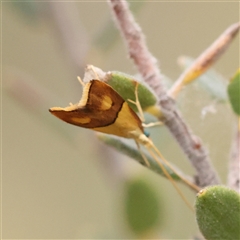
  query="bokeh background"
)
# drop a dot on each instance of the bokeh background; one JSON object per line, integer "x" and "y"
{"x": 60, "y": 181}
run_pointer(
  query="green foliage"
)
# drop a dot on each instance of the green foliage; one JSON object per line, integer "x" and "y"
{"x": 234, "y": 92}
{"x": 218, "y": 213}
{"x": 142, "y": 206}
{"x": 125, "y": 85}
{"x": 132, "y": 151}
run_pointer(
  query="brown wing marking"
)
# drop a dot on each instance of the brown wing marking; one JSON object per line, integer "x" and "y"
{"x": 98, "y": 107}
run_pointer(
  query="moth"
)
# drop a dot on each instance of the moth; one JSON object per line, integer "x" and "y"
{"x": 102, "y": 109}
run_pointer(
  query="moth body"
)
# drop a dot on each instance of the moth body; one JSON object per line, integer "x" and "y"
{"x": 102, "y": 109}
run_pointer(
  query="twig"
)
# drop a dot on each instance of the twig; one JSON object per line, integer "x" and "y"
{"x": 234, "y": 164}
{"x": 206, "y": 59}
{"x": 137, "y": 48}
{"x": 147, "y": 66}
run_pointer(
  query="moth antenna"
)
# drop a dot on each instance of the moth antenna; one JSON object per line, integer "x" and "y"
{"x": 142, "y": 154}
{"x": 81, "y": 81}
{"x": 170, "y": 178}
{"x": 151, "y": 145}
{"x": 193, "y": 186}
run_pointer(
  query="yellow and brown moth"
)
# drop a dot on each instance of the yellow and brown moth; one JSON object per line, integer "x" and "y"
{"x": 102, "y": 109}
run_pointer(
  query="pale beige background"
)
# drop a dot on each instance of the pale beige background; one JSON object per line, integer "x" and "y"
{"x": 55, "y": 188}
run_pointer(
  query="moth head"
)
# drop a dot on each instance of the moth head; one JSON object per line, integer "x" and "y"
{"x": 146, "y": 133}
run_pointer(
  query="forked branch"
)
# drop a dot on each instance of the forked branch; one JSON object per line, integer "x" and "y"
{"x": 148, "y": 68}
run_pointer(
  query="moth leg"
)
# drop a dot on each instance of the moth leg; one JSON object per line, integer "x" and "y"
{"x": 152, "y": 124}
{"x": 139, "y": 108}
{"x": 137, "y": 103}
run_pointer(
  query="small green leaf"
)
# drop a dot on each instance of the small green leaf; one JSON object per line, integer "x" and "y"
{"x": 142, "y": 206}
{"x": 218, "y": 213}
{"x": 234, "y": 92}
{"x": 125, "y": 85}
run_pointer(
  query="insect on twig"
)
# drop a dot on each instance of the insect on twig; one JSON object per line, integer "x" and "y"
{"x": 102, "y": 109}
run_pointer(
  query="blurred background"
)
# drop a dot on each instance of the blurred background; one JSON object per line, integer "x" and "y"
{"x": 60, "y": 181}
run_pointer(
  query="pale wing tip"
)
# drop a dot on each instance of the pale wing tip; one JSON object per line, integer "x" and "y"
{"x": 55, "y": 109}
{"x": 66, "y": 109}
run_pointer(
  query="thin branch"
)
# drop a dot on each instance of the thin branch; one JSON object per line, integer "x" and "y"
{"x": 206, "y": 59}
{"x": 145, "y": 62}
{"x": 148, "y": 68}
{"x": 234, "y": 164}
